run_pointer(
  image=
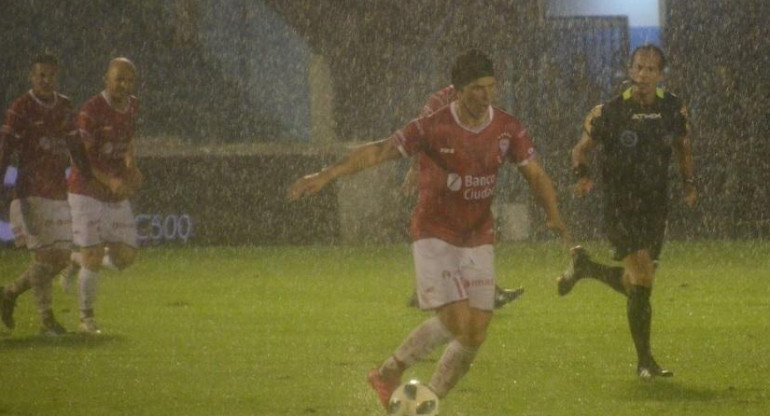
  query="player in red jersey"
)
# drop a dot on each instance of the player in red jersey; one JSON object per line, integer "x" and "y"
{"x": 435, "y": 102}
{"x": 101, "y": 212}
{"x": 460, "y": 149}
{"x": 39, "y": 129}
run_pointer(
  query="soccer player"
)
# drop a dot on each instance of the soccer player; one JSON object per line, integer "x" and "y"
{"x": 460, "y": 149}
{"x": 436, "y": 101}
{"x": 101, "y": 212}
{"x": 39, "y": 129}
{"x": 638, "y": 131}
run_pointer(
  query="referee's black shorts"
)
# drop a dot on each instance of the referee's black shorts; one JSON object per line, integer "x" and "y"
{"x": 642, "y": 227}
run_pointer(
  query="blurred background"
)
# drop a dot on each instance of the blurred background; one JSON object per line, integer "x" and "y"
{"x": 239, "y": 98}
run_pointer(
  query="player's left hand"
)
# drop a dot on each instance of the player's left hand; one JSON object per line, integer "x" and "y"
{"x": 690, "y": 195}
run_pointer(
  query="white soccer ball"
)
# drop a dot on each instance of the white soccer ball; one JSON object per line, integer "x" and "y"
{"x": 413, "y": 398}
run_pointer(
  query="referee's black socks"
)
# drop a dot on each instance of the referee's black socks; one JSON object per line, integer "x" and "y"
{"x": 639, "y": 313}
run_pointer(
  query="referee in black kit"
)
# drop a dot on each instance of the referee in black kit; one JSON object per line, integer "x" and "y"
{"x": 637, "y": 132}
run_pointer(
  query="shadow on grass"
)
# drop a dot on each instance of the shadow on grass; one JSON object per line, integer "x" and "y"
{"x": 671, "y": 391}
{"x": 69, "y": 340}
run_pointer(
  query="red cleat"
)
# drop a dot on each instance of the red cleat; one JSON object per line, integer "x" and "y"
{"x": 384, "y": 386}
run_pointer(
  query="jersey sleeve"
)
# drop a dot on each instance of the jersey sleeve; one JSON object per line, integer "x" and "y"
{"x": 410, "y": 139}
{"x": 522, "y": 150}
{"x": 10, "y": 133}
{"x": 72, "y": 139}
{"x": 87, "y": 126}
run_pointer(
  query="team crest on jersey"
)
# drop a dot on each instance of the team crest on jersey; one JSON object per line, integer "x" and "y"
{"x": 629, "y": 138}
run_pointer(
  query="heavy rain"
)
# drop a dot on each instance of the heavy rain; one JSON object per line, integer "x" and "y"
{"x": 238, "y": 99}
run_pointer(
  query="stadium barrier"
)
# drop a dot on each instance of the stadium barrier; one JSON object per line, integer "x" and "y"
{"x": 232, "y": 200}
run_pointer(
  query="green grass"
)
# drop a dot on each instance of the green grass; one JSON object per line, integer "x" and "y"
{"x": 293, "y": 330}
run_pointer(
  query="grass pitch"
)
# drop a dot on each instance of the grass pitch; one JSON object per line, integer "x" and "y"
{"x": 293, "y": 331}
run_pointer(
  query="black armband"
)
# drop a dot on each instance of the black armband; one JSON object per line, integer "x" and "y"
{"x": 580, "y": 171}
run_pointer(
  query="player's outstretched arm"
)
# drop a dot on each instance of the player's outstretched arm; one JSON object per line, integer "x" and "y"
{"x": 360, "y": 158}
{"x": 545, "y": 195}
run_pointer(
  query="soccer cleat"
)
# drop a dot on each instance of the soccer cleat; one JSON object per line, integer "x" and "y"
{"x": 88, "y": 326}
{"x": 7, "y": 304}
{"x": 69, "y": 276}
{"x": 51, "y": 327}
{"x": 575, "y": 272}
{"x": 382, "y": 385}
{"x": 650, "y": 369}
{"x": 506, "y": 296}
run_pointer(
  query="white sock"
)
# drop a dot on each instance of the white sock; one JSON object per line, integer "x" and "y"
{"x": 453, "y": 365}
{"x": 418, "y": 345}
{"x": 88, "y": 282}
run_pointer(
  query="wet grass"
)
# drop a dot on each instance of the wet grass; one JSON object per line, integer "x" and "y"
{"x": 292, "y": 331}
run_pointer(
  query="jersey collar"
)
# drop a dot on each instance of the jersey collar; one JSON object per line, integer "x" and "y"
{"x": 44, "y": 104}
{"x": 474, "y": 130}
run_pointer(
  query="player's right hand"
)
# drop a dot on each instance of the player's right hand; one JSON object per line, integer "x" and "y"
{"x": 583, "y": 187}
{"x": 307, "y": 185}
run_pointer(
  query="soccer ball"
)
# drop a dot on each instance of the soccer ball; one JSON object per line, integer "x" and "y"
{"x": 413, "y": 398}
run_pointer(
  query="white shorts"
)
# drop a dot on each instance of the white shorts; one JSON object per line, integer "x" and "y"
{"x": 447, "y": 273}
{"x": 95, "y": 222}
{"x": 41, "y": 223}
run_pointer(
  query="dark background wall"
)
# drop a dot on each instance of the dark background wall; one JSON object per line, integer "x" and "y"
{"x": 384, "y": 59}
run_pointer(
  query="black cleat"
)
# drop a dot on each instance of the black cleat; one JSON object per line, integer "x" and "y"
{"x": 575, "y": 272}
{"x": 506, "y": 296}
{"x": 51, "y": 327}
{"x": 7, "y": 304}
{"x": 650, "y": 369}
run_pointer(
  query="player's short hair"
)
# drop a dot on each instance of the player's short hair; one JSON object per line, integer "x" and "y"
{"x": 44, "y": 58}
{"x": 470, "y": 66}
{"x": 649, "y": 47}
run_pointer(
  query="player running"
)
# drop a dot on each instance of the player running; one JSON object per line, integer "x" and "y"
{"x": 638, "y": 131}
{"x": 460, "y": 149}
{"x": 101, "y": 212}
{"x": 435, "y": 102}
{"x": 39, "y": 130}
